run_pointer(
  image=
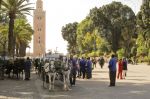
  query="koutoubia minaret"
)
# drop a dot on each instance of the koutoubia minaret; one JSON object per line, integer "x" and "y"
{"x": 39, "y": 30}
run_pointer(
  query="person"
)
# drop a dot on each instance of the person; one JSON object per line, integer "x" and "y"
{"x": 94, "y": 62}
{"x": 78, "y": 67}
{"x": 2, "y": 64}
{"x": 41, "y": 63}
{"x": 16, "y": 68}
{"x": 101, "y": 62}
{"x": 89, "y": 68}
{"x": 73, "y": 71}
{"x": 27, "y": 69}
{"x": 112, "y": 70}
{"x": 124, "y": 68}
{"x": 120, "y": 67}
{"x": 82, "y": 67}
{"x": 36, "y": 64}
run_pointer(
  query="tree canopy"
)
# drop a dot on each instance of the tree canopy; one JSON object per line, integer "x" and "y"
{"x": 106, "y": 29}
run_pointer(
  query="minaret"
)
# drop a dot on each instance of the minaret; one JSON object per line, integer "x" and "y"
{"x": 39, "y": 30}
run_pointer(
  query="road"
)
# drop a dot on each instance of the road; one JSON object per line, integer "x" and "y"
{"x": 135, "y": 86}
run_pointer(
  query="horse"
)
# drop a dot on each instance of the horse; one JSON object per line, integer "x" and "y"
{"x": 50, "y": 71}
{"x": 57, "y": 69}
{"x": 66, "y": 73}
{"x": 62, "y": 69}
{"x": 18, "y": 67}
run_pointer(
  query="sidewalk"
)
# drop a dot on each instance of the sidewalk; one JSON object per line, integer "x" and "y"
{"x": 18, "y": 89}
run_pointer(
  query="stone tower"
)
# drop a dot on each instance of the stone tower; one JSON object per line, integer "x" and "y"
{"x": 39, "y": 30}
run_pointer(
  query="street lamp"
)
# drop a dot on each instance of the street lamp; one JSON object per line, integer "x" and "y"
{"x": 56, "y": 50}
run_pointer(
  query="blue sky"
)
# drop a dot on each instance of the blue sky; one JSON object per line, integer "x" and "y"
{"x": 61, "y": 12}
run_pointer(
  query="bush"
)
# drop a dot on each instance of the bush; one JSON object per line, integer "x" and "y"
{"x": 142, "y": 51}
{"x": 120, "y": 53}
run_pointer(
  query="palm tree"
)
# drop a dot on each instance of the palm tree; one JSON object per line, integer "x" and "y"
{"x": 3, "y": 38}
{"x": 23, "y": 33}
{"x": 13, "y": 8}
{"x": 0, "y": 3}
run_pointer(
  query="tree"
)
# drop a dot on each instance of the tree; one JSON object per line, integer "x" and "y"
{"x": 3, "y": 38}
{"x": 3, "y": 33}
{"x": 13, "y": 8}
{"x": 84, "y": 29}
{"x": 23, "y": 33}
{"x": 143, "y": 21}
{"x": 69, "y": 34}
{"x": 0, "y": 3}
{"x": 128, "y": 30}
{"x": 109, "y": 20}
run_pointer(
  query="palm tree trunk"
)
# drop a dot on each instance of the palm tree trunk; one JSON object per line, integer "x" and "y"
{"x": 115, "y": 38}
{"x": 4, "y": 50}
{"x": 22, "y": 49}
{"x": 11, "y": 35}
{"x": 0, "y": 3}
{"x": 114, "y": 41}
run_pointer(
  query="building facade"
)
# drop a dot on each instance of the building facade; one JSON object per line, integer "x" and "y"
{"x": 39, "y": 30}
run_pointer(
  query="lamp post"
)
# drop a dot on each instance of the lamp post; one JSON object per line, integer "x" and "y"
{"x": 56, "y": 50}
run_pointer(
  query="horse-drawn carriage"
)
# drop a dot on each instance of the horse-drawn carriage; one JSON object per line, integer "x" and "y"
{"x": 12, "y": 67}
{"x": 56, "y": 68}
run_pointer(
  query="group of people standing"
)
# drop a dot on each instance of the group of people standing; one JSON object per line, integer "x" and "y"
{"x": 80, "y": 68}
{"x": 122, "y": 69}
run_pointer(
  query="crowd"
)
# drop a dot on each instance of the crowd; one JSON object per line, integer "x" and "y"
{"x": 81, "y": 68}
{"x": 84, "y": 67}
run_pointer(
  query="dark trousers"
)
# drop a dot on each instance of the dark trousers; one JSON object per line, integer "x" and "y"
{"x": 72, "y": 78}
{"x": 83, "y": 74}
{"x": 89, "y": 74}
{"x": 80, "y": 72}
{"x": 27, "y": 74}
{"x": 1, "y": 74}
{"x": 112, "y": 76}
{"x": 94, "y": 65}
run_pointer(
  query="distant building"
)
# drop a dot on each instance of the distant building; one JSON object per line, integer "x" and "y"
{"x": 39, "y": 30}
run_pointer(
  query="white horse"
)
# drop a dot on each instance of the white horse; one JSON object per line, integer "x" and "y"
{"x": 50, "y": 71}
{"x": 66, "y": 73}
{"x": 58, "y": 69}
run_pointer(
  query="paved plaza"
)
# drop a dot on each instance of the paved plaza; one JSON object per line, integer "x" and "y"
{"x": 135, "y": 86}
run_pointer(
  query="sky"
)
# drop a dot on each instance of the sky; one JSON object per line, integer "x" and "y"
{"x": 61, "y": 12}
